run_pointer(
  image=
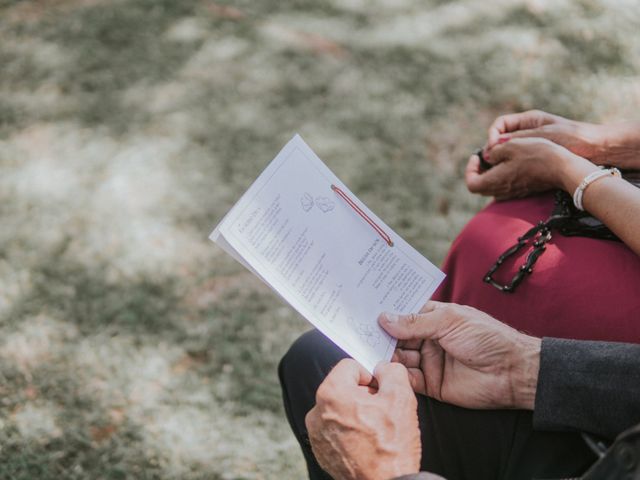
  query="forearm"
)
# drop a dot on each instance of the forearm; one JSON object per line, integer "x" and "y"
{"x": 614, "y": 201}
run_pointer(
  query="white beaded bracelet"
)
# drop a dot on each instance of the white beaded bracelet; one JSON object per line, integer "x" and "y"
{"x": 588, "y": 180}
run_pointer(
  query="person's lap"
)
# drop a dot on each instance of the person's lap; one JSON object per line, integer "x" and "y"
{"x": 457, "y": 443}
{"x": 581, "y": 288}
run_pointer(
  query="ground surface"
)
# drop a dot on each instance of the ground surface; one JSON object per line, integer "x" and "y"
{"x": 132, "y": 347}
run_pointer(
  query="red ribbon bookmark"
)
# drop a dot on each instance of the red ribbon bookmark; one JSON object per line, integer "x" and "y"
{"x": 359, "y": 211}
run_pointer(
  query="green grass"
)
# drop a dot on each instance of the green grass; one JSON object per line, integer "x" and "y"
{"x": 131, "y": 346}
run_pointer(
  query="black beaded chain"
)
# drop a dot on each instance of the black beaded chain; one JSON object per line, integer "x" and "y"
{"x": 541, "y": 235}
{"x": 565, "y": 219}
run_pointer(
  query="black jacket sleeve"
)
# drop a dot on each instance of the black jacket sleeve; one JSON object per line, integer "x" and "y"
{"x": 588, "y": 386}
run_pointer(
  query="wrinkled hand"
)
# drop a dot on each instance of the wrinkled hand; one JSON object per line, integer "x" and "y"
{"x": 523, "y": 166}
{"x": 460, "y": 355}
{"x": 364, "y": 433}
{"x": 584, "y": 139}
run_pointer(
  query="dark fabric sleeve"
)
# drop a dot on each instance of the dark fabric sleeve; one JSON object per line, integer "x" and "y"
{"x": 588, "y": 386}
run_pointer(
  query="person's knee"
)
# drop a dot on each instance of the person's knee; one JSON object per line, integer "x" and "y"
{"x": 310, "y": 357}
{"x": 305, "y": 345}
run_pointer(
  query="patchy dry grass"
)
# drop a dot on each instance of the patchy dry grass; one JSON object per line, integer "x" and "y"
{"x": 131, "y": 347}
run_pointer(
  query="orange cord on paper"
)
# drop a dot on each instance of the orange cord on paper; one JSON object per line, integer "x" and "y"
{"x": 359, "y": 211}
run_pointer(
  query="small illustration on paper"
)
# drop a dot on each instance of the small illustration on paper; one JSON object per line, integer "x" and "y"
{"x": 366, "y": 332}
{"x": 325, "y": 204}
{"x": 307, "y": 202}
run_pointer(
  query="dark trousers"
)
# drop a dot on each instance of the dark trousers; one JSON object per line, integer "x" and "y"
{"x": 456, "y": 443}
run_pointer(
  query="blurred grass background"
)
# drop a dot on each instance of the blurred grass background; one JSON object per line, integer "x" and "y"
{"x": 132, "y": 347}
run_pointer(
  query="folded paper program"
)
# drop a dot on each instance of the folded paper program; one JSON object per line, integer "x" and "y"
{"x": 326, "y": 256}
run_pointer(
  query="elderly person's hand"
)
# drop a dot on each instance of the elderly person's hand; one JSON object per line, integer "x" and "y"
{"x": 523, "y": 166}
{"x": 460, "y": 355}
{"x": 365, "y": 433}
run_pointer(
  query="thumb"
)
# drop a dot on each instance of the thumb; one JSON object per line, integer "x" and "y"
{"x": 475, "y": 177}
{"x": 348, "y": 372}
{"x": 489, "y": 181}
{"x": 432, "y": 324}
{"x": 392, "y": 377}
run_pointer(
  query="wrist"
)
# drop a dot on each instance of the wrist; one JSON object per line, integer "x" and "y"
{"x": 573, "y": 170}
{"x": 397, "y": 459}
{"x": 395, "y": 473}
{"x": 403, "y": 465}
{"x": 525, "y": 370}
{"x": 597, "y": 138}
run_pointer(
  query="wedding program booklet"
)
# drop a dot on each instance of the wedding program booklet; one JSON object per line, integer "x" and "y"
{"x": 308, "y": 237}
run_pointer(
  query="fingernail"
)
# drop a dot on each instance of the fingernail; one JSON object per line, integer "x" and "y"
{"x": 504, "y": 139}
{"x": 390, "y": 317}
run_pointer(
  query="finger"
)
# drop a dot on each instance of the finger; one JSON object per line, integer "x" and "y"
{"x": 472, "y": 173}
{"x": 502, "y": 151}
{"x": 391, "y": 377}
{"x": 517, "y": 121}
{"x": 409, "y": 344}
{"x": 348, "y": 372}
{"x": 408, "y": 358}
{"x": 531, "y": 133}
{"x": 431, "y": 325}
{"x": 514, "y": 149}
{"x": 433, "y": 357}
{"x": 416, "y": 380}
{"x": 553, "y": 133}
{"x": 489, "y": 181}
{"x": 416, "y": 344}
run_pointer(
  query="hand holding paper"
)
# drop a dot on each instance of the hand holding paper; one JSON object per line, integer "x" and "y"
{"x": 302, "y": 231}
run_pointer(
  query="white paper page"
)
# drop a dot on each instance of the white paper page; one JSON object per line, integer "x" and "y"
{"x": 308, "y": 244}
{"x": 220, "y": 240}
